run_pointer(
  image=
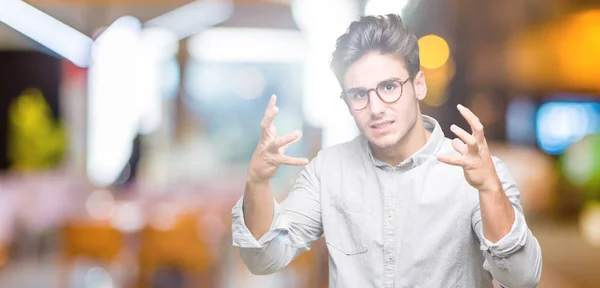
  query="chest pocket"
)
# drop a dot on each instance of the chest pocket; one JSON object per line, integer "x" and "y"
{"x": 347, "y": 223}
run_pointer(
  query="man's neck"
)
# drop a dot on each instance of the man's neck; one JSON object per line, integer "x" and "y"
{"x": 414, "y": 140}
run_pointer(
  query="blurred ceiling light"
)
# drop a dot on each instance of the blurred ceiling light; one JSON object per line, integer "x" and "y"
{"x": 156, "y": 47}
{"x": 194, "y": 17}
{"x": 324, "y": 18}
{"x": 44, "y": 29}
{"x": 124, "y": 30}
{"x": 125, "y": 92}
{"x": 382, "y": 7}
{"x": 160, "y": 44}
{"x": 322, "y": 22}
{"x": 434, "y": 51}
{"x": 249, "y": 45}
{"x": 113, "y": 115}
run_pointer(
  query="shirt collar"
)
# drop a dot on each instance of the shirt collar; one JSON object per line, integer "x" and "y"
{"x": 426, "y": 152}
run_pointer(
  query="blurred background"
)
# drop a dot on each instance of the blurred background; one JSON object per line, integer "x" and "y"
{"x": 126, "y": 126}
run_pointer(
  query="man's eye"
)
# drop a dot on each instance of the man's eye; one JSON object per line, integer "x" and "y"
{"x": 358, "y": 94}
{"x": 389, "y": 87}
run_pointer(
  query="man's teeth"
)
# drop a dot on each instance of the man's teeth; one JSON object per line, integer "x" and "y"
{"x": 382, "y": 125}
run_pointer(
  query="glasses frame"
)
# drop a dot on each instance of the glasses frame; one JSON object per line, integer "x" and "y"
{"x": 343, "y": 95}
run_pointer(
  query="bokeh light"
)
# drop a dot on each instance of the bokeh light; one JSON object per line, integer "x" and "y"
{"x": 560, "y": 123}
{"x": 382, "y": 7}
{"x": 589, "y": 223}
{"x": 437, "y": 83}
{"x": 434, "y": 51}
{"x": 128, "y": 217}
{"x": 560, "y": 55}
{"x": 100, "y": 205}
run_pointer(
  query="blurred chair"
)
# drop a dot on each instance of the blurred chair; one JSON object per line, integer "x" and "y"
{"x": 97, "y": 241}
{"x": 178, "y": 249}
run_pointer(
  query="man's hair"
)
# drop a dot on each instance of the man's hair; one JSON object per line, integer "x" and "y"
{"x": 386, "y": 35}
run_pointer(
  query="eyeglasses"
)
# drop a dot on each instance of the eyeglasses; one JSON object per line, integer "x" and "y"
{"x": 388, "y": 91}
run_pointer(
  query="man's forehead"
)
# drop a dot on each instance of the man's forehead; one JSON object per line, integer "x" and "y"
{"x": 372, "y": 69}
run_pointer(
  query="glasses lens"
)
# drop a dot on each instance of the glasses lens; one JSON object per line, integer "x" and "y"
{"x": 389, "y": 91}
{"x": 357, "y": 99}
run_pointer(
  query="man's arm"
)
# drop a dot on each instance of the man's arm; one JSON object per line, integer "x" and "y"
{"x": 268, "y": 155}
{"x": 269, "y": 237}
{"x": 296, "y": 224}
{"x": 258, "y": 211}
{"x": 512, "y": 254}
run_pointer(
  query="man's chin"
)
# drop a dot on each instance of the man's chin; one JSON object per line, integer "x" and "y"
{"x": 384, "y": 142}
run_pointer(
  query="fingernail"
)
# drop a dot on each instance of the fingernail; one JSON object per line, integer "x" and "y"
{"x": 453, "y": 127}
{"x": 459, "y": 107}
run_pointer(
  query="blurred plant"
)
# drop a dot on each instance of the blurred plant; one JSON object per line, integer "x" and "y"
{"x": 36, "y": 141}
{"x": 581, "y": 165}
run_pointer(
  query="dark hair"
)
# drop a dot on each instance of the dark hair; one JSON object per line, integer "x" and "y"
{"x": 385, "y": 34}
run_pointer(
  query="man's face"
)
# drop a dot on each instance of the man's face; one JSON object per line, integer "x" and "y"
{"x": 385, "y": 124}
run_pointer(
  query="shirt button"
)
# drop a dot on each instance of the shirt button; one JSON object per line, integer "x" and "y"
{"x": 389, "y": 256}
{"x": 390, "y": 214}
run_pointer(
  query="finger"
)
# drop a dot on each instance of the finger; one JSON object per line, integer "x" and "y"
{"x": 283, "y": 148}
{"x": 271, "y": 108}
{"x": 291, "y": 161}
{"x": 286, "y": 139}
{"x": 474, "y": 122}
{"x": 459, "y": 146}
{"x": 451, "y": 160}
{"x": 465, "y": 137}
{"x": 270, "y": 113}
{"x": 272, "y": 101}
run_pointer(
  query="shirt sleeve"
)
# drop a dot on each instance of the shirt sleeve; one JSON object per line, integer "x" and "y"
{"x": 516, "y": 259}
{"x": 296, "y": 225}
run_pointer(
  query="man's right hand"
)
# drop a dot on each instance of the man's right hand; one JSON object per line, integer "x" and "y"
{"x": 269, "y": 153}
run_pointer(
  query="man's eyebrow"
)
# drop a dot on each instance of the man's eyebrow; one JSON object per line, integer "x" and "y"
{"x": 363, "y": 88}
{"x": 390, "y": 79}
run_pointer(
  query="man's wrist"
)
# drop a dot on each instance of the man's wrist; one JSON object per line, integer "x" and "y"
{"x": 256, "y": 182}
{"x": 491, "y": 188}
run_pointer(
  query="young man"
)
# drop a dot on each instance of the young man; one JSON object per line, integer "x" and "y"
{"x": 400, "y": 205}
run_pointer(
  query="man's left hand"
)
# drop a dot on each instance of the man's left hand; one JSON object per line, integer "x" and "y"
{"x": 475, "y": 157}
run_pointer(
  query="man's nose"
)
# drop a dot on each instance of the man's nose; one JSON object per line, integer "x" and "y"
{"x": 375, "y": 104}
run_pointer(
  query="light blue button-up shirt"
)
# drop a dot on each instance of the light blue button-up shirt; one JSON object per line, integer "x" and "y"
{"x": 414, "y": 225}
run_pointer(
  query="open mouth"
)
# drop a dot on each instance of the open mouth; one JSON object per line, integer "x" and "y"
{"x": 383, "y": 125}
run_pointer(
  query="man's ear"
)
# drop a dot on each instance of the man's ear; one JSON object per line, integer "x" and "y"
{"x": 420, "y": 86}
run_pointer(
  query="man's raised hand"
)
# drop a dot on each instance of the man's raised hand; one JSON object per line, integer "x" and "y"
{"x": 270, "y": 151}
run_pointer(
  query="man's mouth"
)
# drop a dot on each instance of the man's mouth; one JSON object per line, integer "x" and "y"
{"x": 382, "y": 125}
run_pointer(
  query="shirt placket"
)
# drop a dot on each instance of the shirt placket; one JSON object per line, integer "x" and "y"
{"x": 389, "y": 230}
